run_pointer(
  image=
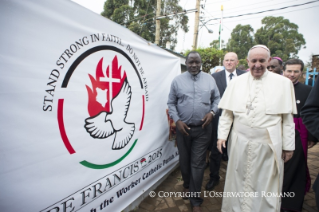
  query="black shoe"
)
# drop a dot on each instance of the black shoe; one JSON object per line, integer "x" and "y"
{"x": 185, "y": 193}
{"x": 211, "y": 184}
{"x": 225, "y": 157}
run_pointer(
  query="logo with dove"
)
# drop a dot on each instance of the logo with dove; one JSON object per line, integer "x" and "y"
{"x": 102, "y": 107}
{"x": 109, "y": 102}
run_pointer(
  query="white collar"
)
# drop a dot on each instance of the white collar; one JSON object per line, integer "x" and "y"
{"x": 228, "y": 73}
{"x": 261, "y": 78}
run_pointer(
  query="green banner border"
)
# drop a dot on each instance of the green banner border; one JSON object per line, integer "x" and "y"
{"x": 104, "y": 166}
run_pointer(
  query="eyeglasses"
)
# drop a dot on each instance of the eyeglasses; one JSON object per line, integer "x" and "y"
{"x": 268, "y": 67}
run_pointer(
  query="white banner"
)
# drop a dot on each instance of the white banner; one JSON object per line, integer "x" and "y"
{"x": 83, "y": 110}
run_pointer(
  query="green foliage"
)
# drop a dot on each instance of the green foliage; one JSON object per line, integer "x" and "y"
{"x": 281, "y": 37}
{"x": 111, "y": 5}
{"x": 243, "y": 62}
{"x": 241, "y": 41}
{"x": 210, "y": 57}
{"x": 278, "y": 34}
{"x": 215, "y": 44}
{"x": 140, "y": 18}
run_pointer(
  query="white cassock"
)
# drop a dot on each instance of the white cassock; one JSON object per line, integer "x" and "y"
{"x": 257, "y": 139}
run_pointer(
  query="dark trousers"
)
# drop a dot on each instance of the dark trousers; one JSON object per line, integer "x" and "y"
{"x": 295, "y": 178}
{"x": 192, "y": 155}
{"x": 215, "y": 157}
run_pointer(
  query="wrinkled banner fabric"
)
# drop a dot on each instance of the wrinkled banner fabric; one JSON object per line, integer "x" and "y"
{"x": 83, "y": 110}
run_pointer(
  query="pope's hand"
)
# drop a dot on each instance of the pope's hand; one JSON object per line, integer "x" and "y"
{"x": 207, "y": 119}
{"x": 287, "y": 155}
{"x": 221, "y": 143}
{"x": 182, "y": 127}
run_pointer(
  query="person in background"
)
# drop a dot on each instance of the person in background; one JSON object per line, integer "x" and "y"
{"x": 310, "y": 116}
{"x": 296, "y": 173}
{"x": 222, "y": 79}
{"x": 303, "y": 79}
{"x": 192, "y": 104}
{"x": 275, "y": 65}
{"x": 310, "y": 79}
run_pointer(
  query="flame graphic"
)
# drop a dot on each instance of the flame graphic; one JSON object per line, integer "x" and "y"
{"x": 105, "y": 81}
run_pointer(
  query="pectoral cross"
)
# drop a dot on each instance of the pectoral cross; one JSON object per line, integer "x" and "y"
{"x": 249, "y": 108}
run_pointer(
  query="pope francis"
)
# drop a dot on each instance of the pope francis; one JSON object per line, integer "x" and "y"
{"x": 260, "y": 106}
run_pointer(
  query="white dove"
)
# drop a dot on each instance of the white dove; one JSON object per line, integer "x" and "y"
{"x": 106, "y": 124}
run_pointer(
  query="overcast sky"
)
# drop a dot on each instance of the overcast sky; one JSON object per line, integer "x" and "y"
{"x": 306, "y": 17}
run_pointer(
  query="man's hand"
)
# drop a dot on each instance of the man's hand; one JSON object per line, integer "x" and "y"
{"x": 287, "y": 155}
{"x": 221, "y": 143}
{"x": 182, "y": 127}
{"x": 311, "y": 144}
{"x": 207, "y": 119}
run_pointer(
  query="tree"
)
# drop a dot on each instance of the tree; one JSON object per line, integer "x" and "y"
{"x": 280, "y": 36}
{"x": 215, "y": 44}
{"x": 210, "y": 57}
{"x": 241, "y": 41}
{"x": 139, "y": 17}
{"x": 243, "y": 62}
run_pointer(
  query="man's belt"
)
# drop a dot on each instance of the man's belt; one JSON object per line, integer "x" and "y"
{"x": 191, "y": 125}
